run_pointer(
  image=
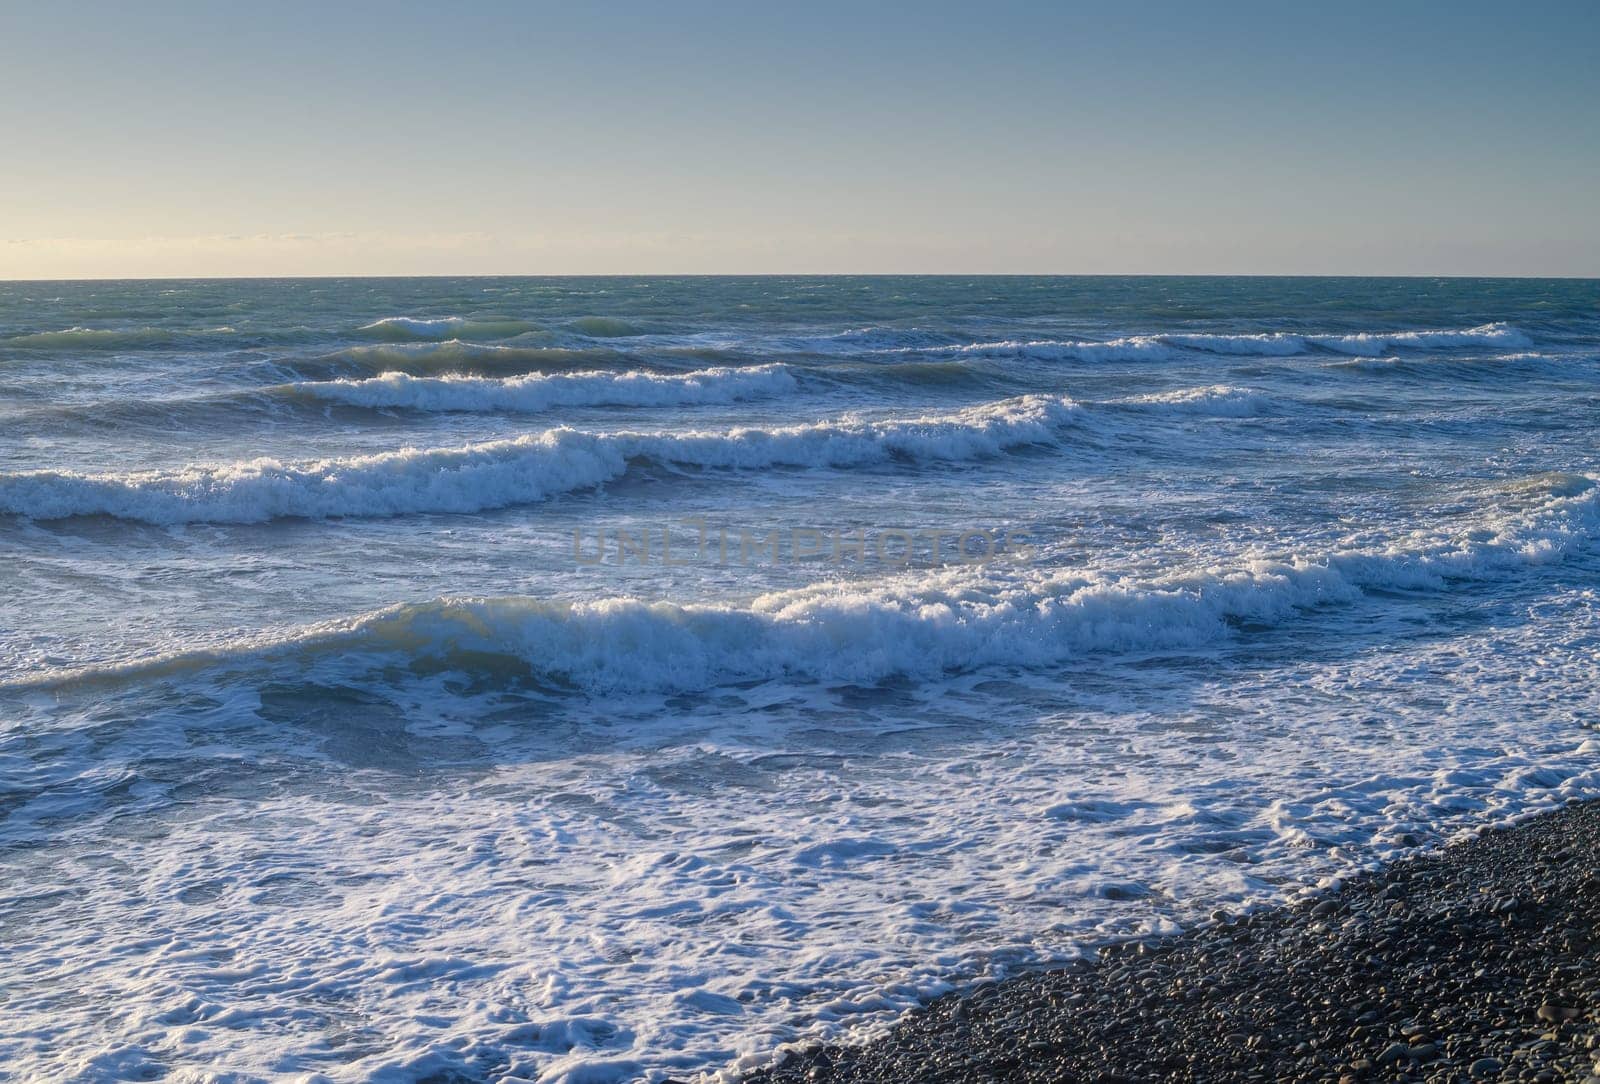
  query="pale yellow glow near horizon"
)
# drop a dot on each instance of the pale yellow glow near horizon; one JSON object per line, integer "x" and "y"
{"x": 471, "y": 253}
{"x": 357, "y": 254}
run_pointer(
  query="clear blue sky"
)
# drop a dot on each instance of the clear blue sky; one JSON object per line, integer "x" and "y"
{"x": 385, "y": 138}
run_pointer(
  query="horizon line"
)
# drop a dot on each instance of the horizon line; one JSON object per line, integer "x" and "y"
{"x": 803, "y": 274}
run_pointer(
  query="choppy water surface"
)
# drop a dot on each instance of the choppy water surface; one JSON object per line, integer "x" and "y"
{"x": 603, "y": 679}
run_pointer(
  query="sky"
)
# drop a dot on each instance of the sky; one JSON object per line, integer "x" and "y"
{"x": 345, "y": 138}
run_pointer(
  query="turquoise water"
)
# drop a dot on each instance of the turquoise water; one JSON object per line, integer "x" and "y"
{"x": 615, "y": 678}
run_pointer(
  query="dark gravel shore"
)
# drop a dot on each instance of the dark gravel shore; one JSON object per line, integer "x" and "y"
{"x": 1479, "y": 962}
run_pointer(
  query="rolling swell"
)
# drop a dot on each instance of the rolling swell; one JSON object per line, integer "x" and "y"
{"x": 98, "y": 341}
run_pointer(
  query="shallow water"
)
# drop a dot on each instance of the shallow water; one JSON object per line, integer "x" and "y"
{"x": 558, "y": 679}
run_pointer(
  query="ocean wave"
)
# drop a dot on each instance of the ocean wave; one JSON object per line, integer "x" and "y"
{"x": 93, "y": 338}
{"x": 1389, "y": 364}
{"x": 1477, "y": 367}
{"x": 1164, "y": 347}
{"x": 1375, "y": 342}
{"x": 1137, "y": 348}
{"x": 1216, "y": 401}
{"x": 870, "y": 340}
{"x": 848, "y": 343}
{"x": 499, "y": 474}
{"x": 1267, "y": 344}
{"x": 915, "y": 373}
{"x": 1283, "y": 344}
{"x": 936, "y": 622}
{"x": 402, "y": 328}
{"x": 534, "y": 393}
{"x": 604, "y": 327}
{"x": 451, "y": 355}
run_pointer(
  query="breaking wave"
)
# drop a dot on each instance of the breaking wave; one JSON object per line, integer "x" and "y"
{"x": 455, "y": 355}
{"x": 502, "y": 473}
{"x": 1165, "y": 347}
{"x": 1138, "y": 348}
{"x": 534, "y": 393}
{"x": 1478, "y": 367}
{"x": 951, "y": 620}
{"x": 1369, "y": 343}
{"x": 1271, "y": 344}
{"x": 1217, "y": 401}
{"x": 403, "y": 328}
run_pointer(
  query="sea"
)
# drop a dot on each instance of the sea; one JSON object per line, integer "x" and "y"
{"x": 610, "y": 679}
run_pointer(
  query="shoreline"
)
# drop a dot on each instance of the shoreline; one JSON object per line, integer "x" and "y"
{"x": 1478, "y": 961}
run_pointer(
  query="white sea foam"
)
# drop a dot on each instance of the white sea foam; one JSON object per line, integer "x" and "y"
{"x": 534, "y": 393}
{"x": 498, "y": 474}
{"x": 591, "y": 915}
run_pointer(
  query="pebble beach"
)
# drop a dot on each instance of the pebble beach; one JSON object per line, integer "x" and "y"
{"x": 1476, "y": 962}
